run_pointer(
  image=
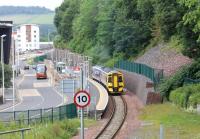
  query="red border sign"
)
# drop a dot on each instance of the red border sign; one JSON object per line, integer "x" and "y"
{"x": 86, "y": 94}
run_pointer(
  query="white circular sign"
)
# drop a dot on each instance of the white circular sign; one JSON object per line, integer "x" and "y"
{"x": 82, "y": 99}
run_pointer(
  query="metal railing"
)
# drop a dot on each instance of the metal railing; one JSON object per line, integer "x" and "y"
{"x": 14, "y": 131}
{"x": 40, "y": 115}
{"x": 191, "y": 81}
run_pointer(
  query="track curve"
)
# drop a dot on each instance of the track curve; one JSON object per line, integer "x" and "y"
{"x": 116, "y": 119}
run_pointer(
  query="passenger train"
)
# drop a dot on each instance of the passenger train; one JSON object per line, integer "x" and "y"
{"x": 113, "y": 80}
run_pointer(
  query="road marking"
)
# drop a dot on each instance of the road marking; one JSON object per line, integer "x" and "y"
{"x": 41, "y": 84}
{"x": 29, "y": 75}
{"x": 65, "y": 100}
{"x": 29, "y": 92}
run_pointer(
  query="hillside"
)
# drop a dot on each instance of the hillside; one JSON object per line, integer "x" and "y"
{"x": 109, "y": 30}
{"x": 30, "y": 18}
{"x": 163, "y": 57}
{"x": 9, "y": 10}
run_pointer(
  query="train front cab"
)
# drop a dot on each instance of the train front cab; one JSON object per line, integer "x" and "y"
{"x": 115, "y": 83}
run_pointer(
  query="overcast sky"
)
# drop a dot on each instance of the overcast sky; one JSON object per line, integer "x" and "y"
{"x": 51, "y": 4}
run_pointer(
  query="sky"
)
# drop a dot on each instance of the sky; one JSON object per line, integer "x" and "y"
{"x": 50, "y": 4}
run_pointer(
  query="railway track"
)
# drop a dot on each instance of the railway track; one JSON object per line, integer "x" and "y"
{"x": 117, "y": 117}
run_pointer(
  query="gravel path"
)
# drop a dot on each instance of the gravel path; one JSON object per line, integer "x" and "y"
{"x": 161, "y": 57}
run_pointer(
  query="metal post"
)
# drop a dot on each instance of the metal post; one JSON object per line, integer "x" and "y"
{"x": 52, "y": 115}
{"x": 14, "y": 115}
{"x": 95, "y": 108}
{"x": 22, "y": 134}
{"x": 82, "y": 118}
{"x": 2, "y": 64}
{"x": 161, "y": 132}
{"x": 13, "y": 69}
{"x": 59, "y": 112}
{"x": 28, "y": 117}
{"x": 41, "y": 115}
{"x": 73, "y": 87}
{"x": 62, "y": 91}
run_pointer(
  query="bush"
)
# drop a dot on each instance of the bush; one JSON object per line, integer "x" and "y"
{"x": 186, "y": 96}
{"x": 177, "y": 80}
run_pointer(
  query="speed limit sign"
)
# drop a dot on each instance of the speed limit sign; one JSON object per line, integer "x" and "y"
{"x": 82, "y": 99}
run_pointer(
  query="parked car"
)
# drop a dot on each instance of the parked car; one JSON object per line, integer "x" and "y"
{"x": 26, "y": 67}
{"x": 34, "y": 66}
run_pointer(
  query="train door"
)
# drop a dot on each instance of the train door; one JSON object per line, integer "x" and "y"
{"x": 115, "y": 83}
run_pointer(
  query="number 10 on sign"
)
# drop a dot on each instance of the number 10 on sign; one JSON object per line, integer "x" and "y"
{"x": 82, "y": 99}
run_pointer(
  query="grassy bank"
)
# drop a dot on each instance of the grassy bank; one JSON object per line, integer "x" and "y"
{"x": 176, "y": 122}
{"x": 58, "y": 130}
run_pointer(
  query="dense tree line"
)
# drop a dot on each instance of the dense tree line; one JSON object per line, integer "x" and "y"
{"x": 113, "y": 29}
{"x": 8, "y": 10}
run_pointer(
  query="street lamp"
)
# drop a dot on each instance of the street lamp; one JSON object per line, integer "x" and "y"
{"x": 2, "y": 64}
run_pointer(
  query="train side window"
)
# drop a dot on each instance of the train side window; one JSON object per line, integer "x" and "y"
{"x": 109, "y": 79}
{"x": 120, "y": 79}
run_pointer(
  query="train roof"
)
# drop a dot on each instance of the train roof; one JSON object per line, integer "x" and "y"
{"x": 105, "y": 69}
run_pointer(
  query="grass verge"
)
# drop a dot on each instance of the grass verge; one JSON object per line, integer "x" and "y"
{"x": 176, "y": 122}
{"x": 64, "y": 129}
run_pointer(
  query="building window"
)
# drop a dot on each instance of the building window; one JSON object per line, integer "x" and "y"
{"x": 34, "y": 31}
{"x": 34, "y": 36}
{"x": 18, "y": 36}
{"x": 26, "y": 45}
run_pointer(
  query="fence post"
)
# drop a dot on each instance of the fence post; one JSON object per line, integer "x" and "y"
{"x": 161, "y": 132}
{"x": 59, "y": 112}
{"x": 28, "y": 117}
{"x": 66, "y": 111}
{"x": 52, "y": 114}
{"x": 14, "y": 116}
{"x": 41, "y": 115}
{"x": 22, "y": 134}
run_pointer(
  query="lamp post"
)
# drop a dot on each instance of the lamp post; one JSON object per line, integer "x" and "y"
{"x": 2, "y": 64}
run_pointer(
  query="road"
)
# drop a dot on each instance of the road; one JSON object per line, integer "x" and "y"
{"x": 36, "y": 94}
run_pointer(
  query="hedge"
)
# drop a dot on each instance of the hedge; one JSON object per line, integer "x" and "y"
{"x": 186, "y": 96}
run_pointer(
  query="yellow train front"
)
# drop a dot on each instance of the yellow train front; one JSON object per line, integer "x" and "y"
{"x": 111, "y": 79}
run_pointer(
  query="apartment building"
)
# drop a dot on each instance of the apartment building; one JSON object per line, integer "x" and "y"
{"x": 27, "y": 37}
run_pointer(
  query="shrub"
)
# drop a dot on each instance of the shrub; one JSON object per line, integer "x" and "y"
{"x": 177, "y": 80}
{"x": 186, "y": 96}
{"x": 194, "y": 99}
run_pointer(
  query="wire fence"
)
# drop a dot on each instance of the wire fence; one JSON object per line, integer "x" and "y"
{"x": 162, "y": 132}
{"x": 39, "y": 115}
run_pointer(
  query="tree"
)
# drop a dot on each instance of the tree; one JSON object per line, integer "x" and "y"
{"x": 7, "y": 75}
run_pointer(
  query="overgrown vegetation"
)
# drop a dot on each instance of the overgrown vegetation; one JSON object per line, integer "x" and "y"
{"x": 186, "y": 96}
{"x": 109, "y": 29}
{"x": 7, "y": 75}
{"x": 177, "y": 80}
{"x": 64, "y": 129}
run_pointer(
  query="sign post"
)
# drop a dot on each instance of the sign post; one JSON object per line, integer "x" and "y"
{"x": 81, "y": 100}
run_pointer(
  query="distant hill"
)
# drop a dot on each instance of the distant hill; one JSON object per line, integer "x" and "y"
{"x": 10, "y": 10}
{"x": 29, "y": 18}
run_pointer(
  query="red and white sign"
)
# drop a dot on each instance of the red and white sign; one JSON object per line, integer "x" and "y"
{"x": 82, "y": 99}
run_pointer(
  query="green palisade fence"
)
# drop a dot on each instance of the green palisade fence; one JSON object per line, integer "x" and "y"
{"x": 191, "y": 81}
{"x": 40, "y": 58}
{"x": 154, "y": 74}
{"x": 40, "y": 115}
